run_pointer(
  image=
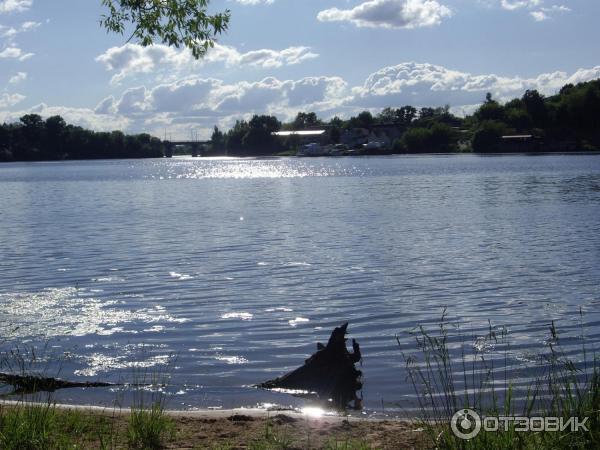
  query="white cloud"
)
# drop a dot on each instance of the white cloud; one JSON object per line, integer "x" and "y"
{"x": 10, "y": 48}
{"x": 536, "y": 8}
{"x": 544, "y": 13}
{"x": 11, "y": 52}
{"x": 133, "y": 101}
{"x": 106, "y": 106}
{"x": 8, "y": 32}
{"x": 269, "y": 59}
{"x": 203, "y": 102}
{"x": 583, "y": 75}
{"x": 185, "y": 96}
{"x": 8, "y": 100}
{"x": 432, "y": 85}
{"x": 18, "y": 77}
{"x": 539, "y": 16}
{"x": 134, "y": 59}
{"x": 83, "y": 117}
{"x": 213, "y": 97}
{"x": 518, "y": 4}
{"x": 10, "y": 6}
{"x": 15, "y": 53}
{"x": 30, "y": 25}
{"x": 255, "y": 2}
{"x": 11, "y": 32}
{"x": 390, "y": 14}
{"x": 199, "y": 103}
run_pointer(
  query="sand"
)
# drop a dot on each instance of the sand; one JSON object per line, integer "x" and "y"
{"x": 244, "y": 428}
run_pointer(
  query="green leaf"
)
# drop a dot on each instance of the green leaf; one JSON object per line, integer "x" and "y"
{"x": 173, "y": 22}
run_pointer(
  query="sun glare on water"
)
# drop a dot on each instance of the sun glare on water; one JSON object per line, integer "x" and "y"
{"x": 242, "y": 169}
{"x": 313, "y": 412}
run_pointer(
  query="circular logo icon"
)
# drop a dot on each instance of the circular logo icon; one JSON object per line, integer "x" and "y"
{"x": 466, "y": 424}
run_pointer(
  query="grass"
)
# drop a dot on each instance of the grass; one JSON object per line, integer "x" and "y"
{"x": 268, "y": 443}
{"x": 443, "y": 386}
{"x": 35, "y": 426}
{"x": 347, "y": 445}
{"x": 35, "y": 422}
{"x": 148, "y": 426}
{"x": 28, "y": 426}
{"x": 272, "y": 439}
{"x": 38, "y": 423}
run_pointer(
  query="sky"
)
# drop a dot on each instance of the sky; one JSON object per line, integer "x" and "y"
{"x": 334, "y": 57}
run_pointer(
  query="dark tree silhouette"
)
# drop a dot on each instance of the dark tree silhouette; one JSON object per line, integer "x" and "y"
{"x": 306, "y": 120}
{"x": 536, "y": 108}
{"x": 487, "y": 137}
{"x": 217, "y": 139}
{"x": 35, "y": 139}
{"x": 259, "y": 138}
{"x": 364, "y": 120}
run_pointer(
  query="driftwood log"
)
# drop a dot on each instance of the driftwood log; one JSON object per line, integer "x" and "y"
{"x": 29, "y": 384}
{"x": 329, "y": 373}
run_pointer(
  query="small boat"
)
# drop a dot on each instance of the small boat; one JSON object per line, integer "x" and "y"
{"x": 312, "y": 149}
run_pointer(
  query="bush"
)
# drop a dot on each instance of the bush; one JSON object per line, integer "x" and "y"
{"x": 441, "y": 137}
{"x": 417, "y": 140}
{"x": 488, "y": 136}
{"x": 6, "y": 155}
{"x": 518, "y": 119}
{"x": 438, "y": 138}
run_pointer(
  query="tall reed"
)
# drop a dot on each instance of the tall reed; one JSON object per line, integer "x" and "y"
{"x": 445, "y": 385}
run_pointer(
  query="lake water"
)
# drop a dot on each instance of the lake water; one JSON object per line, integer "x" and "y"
{"x": 230, "y": 270}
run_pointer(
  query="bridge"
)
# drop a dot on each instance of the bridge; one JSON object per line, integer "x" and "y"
{"x": 195, "y": 148}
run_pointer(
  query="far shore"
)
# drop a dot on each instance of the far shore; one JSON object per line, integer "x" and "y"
{"x": 282, "y": 156}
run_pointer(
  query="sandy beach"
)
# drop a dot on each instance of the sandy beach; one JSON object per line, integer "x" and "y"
{"x": 245, "y": 428}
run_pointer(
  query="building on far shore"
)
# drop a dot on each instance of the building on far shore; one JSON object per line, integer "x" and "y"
{"x": 520, "y": 143}
{"x": 379, "y": 135}
{"x": 305, "y": 137}
{"x": 355, "y": 137}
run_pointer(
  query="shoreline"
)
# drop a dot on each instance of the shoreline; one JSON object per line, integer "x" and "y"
{"x": 275, "y": 156}
{"x": 216, "y": 413}
{"x": 308, "y": 412}
{"x": 230, "y": 429}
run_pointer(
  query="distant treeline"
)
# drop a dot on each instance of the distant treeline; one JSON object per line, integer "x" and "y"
{"x": 569, "y": 120}
{"x": 35, "y": 139}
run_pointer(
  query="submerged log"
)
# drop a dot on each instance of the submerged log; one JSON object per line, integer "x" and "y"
{"x": 29, "y": 384}
{"x": 329, "y": 373}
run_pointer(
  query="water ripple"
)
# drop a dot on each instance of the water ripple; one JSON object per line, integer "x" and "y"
{"x": 116, "y": 265}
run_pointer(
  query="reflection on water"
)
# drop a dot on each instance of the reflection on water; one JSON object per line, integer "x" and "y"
{"x": 228, "y": 270}
{"x": 97, "y": 362}
{"x": 238, "y": 315}
{"x": 313, "y": 412}
{"x": 56, "y": 312}
{"x": 235, "y": 168}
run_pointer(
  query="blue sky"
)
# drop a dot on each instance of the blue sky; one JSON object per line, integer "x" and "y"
{"x": 284, "y": 56}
